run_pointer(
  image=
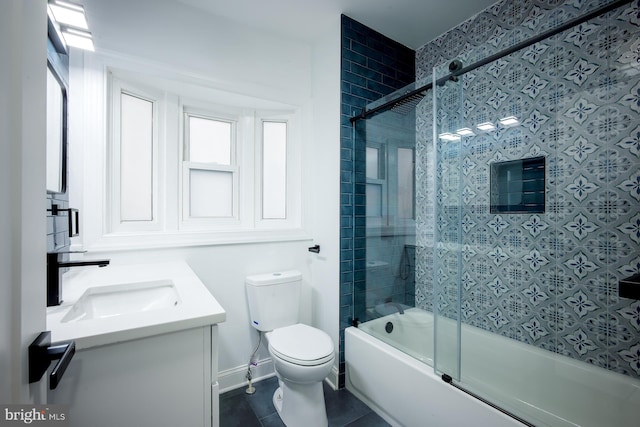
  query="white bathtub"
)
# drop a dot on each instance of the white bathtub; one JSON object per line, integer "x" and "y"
{"x": 544, "y": 388}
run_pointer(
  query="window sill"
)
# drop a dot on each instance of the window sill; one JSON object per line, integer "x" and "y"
{"x": 138, "y": 241}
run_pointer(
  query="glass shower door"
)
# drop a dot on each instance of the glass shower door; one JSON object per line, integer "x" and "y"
{"x": 385, "y": 241}
{"x": 537, "y": 219}
{"x": 447, "y": 245}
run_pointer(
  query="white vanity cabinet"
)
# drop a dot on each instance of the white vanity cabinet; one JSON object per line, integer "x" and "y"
{"x": 162, "y": 380}
{"x": 137, "y": 363}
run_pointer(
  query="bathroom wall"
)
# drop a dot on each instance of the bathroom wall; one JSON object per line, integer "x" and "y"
{"x": 323, "y": 167}
{"x": 22, "y": 189}
{"x": 238, "y": 59}
{"x": 548, "y": 279}
{"x": 372, "y": 66}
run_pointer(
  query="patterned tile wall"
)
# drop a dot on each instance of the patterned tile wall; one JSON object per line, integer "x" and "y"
{"x": 372, "y": 67}
{"x": 550, "y": 279}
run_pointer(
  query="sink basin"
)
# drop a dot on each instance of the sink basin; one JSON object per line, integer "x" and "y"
{"x": 100, "y": 302}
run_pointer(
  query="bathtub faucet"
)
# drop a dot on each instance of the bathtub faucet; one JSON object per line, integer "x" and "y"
{"x": 397, "y": 306}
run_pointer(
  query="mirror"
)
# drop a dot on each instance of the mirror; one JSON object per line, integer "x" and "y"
{"x": 56, "y": 132}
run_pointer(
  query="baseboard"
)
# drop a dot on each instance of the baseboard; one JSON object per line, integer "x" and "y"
{"x": 332, "y": 378}
{"x": 231, "y": 379}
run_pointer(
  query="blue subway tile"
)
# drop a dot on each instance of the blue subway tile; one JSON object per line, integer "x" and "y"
{"x": 366, "y": 51}
{"x": 349, "y": 34}
{"x": 353, "y": 56}
{"x": 379, "y": 87}
{"x": 345, "y": 154}
{"x": 353, "y": 79}
{"x": 346, "y": 210}
{"x": 354, "y": 101}
{"x": 366, "y": 72}
{"x": 346, "y": 222}
{"x": 372, "y": 66}
{"x": 359, "y": 199}
{"x": 379, "y": 67}
{"x": 365, "y": 93}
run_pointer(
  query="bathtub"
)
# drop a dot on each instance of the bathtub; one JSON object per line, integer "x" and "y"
{"x": 396, "y": 379}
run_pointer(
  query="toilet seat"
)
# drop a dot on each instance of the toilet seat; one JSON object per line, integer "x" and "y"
{"x": 301, "y": 345}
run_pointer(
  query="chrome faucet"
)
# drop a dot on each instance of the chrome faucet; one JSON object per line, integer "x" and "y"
{"x": 397, "y": 306}
{"x": 54, "y": 273}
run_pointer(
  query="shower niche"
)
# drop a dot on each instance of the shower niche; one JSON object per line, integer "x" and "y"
{"x": 517, "y": 186}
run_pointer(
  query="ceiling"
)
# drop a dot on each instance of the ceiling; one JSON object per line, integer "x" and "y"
{"x": 410, "y": 22}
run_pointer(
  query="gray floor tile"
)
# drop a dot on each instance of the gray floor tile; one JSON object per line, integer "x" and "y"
{"x": 262, "y": 400}
{"x": 272, "y": 420}
{"x": 370, "y": 420}
{"x": 240, "y": 409}
{"x": 343, "y": 407}
{"x": 235, "y": 411}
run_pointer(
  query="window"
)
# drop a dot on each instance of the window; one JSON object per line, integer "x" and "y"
{"x": 210, "y": 173}
{"x": 187, "y": 164}
{"x": 406, "y": 191}
{"x": 390, "y": 185}
{"x": 376, "y": 184}
{"x": 274, "y": 170}
{"x": 136, "y": 158}
{"x": 133, "y": 182}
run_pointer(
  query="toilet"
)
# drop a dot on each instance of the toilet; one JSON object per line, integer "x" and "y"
{"x": 302, "y": 355}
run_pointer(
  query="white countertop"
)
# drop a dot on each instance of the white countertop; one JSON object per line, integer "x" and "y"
{"x": 198, "y": 307}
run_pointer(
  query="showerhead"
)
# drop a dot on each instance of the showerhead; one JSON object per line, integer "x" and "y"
{"x": 407, "y": 105}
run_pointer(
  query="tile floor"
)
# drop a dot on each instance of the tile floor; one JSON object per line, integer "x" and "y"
{"x": 242, "y": 410}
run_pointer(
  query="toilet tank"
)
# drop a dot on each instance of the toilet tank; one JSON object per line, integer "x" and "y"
{"x": 274, "y": 299}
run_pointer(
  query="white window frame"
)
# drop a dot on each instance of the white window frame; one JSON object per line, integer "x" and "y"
{"x": 389, "y": 222}
{"x": 100, "y": 185}
{"x": 402, "y": 221}
{"x": 195, "y": 223}
{"x": 114, "y": 222}
{"x": 381, "y": 182}
{"x": 293, "y": 173}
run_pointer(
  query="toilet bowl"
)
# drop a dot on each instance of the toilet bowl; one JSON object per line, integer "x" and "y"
{"x": 302, "y": 355}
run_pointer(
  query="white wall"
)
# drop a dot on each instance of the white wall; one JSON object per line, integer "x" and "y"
{"x": 239, "y": 58}
{"x": 23, "y": 193}
{"x": 323, "y": 166}
{"x": 186, "y": 44}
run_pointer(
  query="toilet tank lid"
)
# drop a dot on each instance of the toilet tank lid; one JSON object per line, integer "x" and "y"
{"x": 274, "y": 278}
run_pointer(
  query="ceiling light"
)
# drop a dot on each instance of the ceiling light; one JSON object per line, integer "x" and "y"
{"x": 509, "y": 121}
{"x": 77, "y": 38}
{"x": 70, "y": 14}
{"x": 447, "y": 136}
{"x": 486, "y": 127}
{"x": 465, "y": 132}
